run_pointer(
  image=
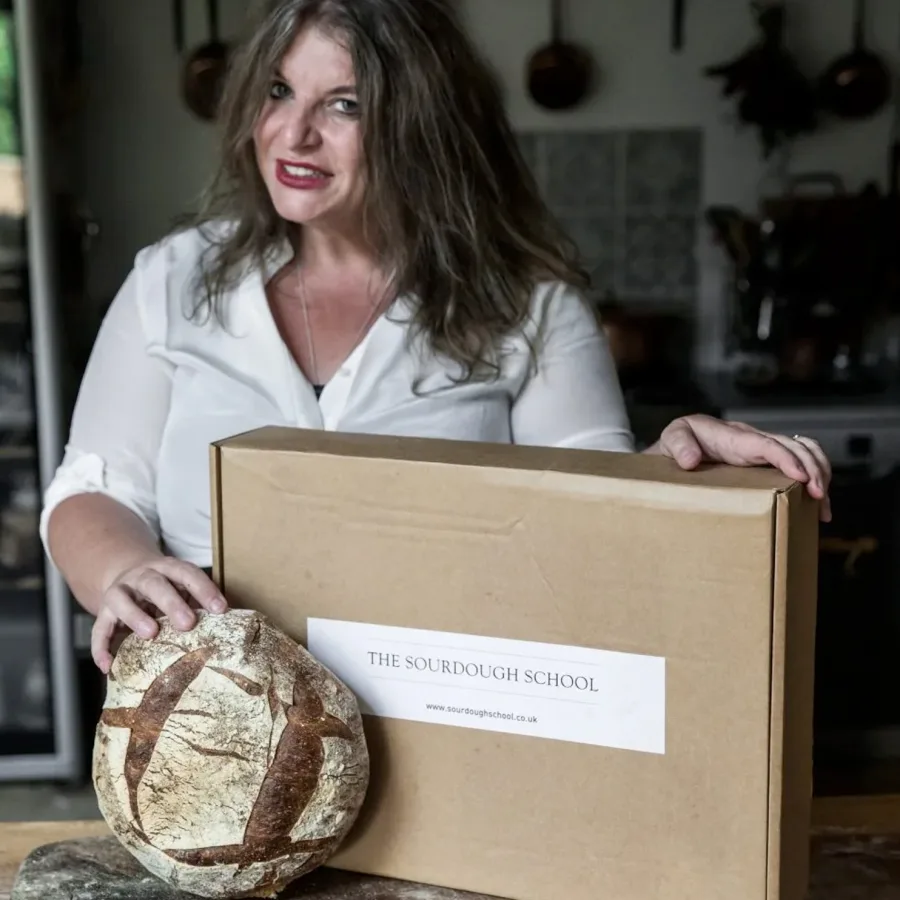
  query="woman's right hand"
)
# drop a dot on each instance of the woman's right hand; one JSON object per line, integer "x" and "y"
{"x": 138, "y": 596}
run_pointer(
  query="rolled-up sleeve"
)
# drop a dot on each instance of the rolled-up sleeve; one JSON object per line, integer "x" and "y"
{"x": 119, "y": 415}
{"x": 573, "y": 399}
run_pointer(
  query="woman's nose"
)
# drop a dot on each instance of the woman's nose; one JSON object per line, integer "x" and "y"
{"x": 301, "y": 130}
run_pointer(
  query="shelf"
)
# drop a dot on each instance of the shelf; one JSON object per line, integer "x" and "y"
{"x": 16, "y": 418}
{"x": 24, "y": 585}
{"x": 18, "y": 742}
{"x": 17, "y": 453}
{"x": 12, "y": 313}
{"x": 23, "y": 625}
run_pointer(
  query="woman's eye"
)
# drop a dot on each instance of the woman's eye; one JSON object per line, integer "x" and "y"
{"x": 347, "y": 107}
{"x": 279, "y": 90}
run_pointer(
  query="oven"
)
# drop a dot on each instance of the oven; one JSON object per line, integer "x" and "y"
{"x": 857, "y": 694}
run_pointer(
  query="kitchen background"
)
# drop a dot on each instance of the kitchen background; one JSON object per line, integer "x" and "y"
{"x": 745, "y": 268}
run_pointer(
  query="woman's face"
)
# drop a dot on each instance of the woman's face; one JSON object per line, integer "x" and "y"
{"x": 308, "y": 141}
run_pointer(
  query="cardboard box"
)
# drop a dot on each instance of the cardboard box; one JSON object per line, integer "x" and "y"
{"x": 585, "y": 675}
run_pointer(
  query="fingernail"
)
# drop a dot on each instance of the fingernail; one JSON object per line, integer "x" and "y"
{"x": 184, "y": 621}
{"x": 218, "y": 605}
{"x": 146, "y": 630}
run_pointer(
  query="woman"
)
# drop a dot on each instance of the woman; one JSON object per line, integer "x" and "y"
{"x": 372, "y": 256}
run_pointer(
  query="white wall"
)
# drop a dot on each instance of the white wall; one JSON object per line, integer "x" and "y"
{"x": 144, "y": 156}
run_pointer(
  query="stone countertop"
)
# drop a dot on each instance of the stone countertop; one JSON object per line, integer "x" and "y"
{"x": 856, "y": 864}
{"x": 18, "y": 839}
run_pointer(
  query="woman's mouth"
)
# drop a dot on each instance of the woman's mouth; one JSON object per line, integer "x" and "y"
{"x": 301, "y": 176}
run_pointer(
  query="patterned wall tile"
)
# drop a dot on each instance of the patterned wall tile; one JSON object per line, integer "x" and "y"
{"x": 596, "y": 239}
{"x": 663, "y": 170}
{"x": 530, "y": 148}
{"x": 658, "y": 256}
{"x": 580, "y": 171}
{"x": 630, "y": 200}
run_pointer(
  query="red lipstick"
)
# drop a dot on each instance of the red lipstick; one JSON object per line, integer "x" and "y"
{"x": 301, "y": 176}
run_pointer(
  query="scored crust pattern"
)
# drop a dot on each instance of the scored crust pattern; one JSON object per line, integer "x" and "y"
{"x": 227, "y": 759}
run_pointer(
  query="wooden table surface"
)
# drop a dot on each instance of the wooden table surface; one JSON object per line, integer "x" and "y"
{"x": 18, "y": 839}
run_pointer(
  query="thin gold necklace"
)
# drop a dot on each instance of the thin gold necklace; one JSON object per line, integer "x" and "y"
{"x": 311, "y": 347}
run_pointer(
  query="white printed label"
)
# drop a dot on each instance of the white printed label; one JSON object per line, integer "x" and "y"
{"x": 551, "y": 691}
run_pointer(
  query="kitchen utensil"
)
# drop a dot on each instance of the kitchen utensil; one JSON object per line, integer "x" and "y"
{"x": 559, "y": 73}
{"x": 678, "y": 12}
{"x": 811, "y": 195}
{"x": 893, "y": 179}
{"x": 857, "y": 84}
{"x": 178, "y": 25}
{"x": 735, "y": 232}
{"x": 894, "y": 169}
{"x": 204, "y": 70}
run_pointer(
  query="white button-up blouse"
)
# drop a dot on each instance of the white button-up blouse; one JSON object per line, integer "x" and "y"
{"x": 159, "y": 388}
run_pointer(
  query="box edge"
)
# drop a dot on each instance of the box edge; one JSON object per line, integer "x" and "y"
{"x": 535, "y": 458}
{"x": 215, "y": 514}
{"x": 794, "y": 600}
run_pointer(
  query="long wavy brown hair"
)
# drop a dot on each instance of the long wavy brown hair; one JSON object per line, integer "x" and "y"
{"x": 450, "y": 203}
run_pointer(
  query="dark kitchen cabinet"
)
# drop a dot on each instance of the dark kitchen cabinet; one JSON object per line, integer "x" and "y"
{"x": 857, "y": 711}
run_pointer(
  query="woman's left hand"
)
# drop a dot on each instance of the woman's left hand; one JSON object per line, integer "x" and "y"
{"x": 693, "y": 440}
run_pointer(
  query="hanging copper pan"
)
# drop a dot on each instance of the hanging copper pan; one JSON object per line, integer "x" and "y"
{"x": 559, "y": 72}
{"x": 858, "y": 84}
{"x": 203, "y": 72}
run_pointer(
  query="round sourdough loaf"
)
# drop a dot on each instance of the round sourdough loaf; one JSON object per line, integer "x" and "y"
{"x": 227, "y": 759}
